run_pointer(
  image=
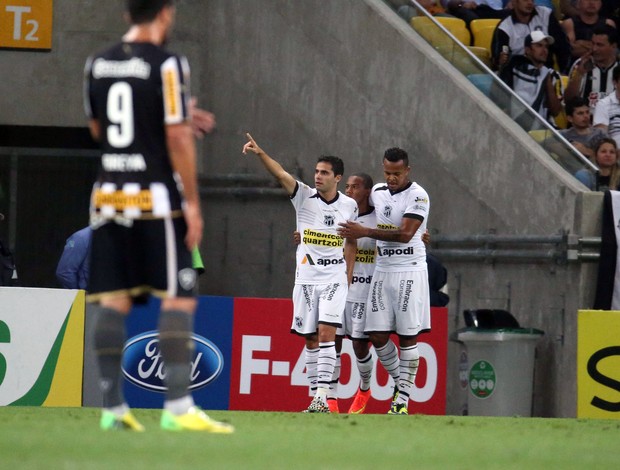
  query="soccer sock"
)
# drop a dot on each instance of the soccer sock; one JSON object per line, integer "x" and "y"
{"x": 333, "y": 386}
{"x": 364, "y": 366}
{"x": 312, "y": 356}
{"x": 176, "y": 348}
{"x": 409, "y": 360}
{"x": 109, "y": 342}
{"x": 325, "y": 366}
{"x": 388, "y": 355}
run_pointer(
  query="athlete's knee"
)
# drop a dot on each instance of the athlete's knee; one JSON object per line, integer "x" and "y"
{"x": 121, "y": 305}
{"x": 326, "y": 333}
{"x": 360, "y": 348}
{"x": 407, "y": 341}
{"x": 379, "y": 340}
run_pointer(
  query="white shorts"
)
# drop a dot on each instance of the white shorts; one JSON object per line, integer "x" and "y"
{"x": 314, "y": 304}
{"x": 399, "y": 303}
{"x": 353, "y": 321}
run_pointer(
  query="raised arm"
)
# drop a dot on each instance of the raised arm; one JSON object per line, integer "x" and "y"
{"x": 285, "y": 179}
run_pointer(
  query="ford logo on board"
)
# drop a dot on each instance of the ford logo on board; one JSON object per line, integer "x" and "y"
{"x": 143, "y": 365}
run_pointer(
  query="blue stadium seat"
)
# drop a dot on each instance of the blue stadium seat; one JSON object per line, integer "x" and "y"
{"x": 482, "y": 81}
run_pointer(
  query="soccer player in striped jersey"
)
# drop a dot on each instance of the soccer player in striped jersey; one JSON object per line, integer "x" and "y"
{"x": 398, "y": 301}
{"x": 324, "y": 264}
{"x": 145, "y": 209}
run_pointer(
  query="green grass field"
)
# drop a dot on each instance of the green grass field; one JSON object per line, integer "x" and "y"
{"x": 69, "y": 438}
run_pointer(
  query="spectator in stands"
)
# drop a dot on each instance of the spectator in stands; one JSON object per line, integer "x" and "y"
{"x": 470, "y": 10}
{"x": 580, "y": 28}
{"x": 581, "y": 134}
{"x": 591, "y": 75}
{"x": 525, "y": 18}
{"x": 529, "y": 77}
{"x": 608, "y": 176}
{"x": 607, "y": 111}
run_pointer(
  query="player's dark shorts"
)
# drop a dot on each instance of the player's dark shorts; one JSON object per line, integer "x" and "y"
{"x": 148, "y": 257}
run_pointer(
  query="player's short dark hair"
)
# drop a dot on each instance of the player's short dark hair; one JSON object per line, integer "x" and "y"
{"x": 336, "y": 163}
{"x": 396, "y": 154}
{"x": 145, "y": 11}
{"x": 606, "y": 30}
{"x": 574, "y": 103}
{"x": 615, "y": 75}
{"x": 366, "y": 179}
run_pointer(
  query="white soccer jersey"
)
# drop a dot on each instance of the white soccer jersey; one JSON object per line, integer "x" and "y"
{"x": 364, "y": 261}
{"x": 390, "y": 209}
{"x": 320, "y": 257}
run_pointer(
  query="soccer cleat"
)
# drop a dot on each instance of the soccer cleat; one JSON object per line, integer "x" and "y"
{"x": 127, "y": 422}
{"x": 332, "y": 404}
{"x": 395, "y": 394}
{"x": 398, "y": 409}
{"x": 194, "y": 420}
{"x": 317, "y": 406}
{"x": 359, "y": 403}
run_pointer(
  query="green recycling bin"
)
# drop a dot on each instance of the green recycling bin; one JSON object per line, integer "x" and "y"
{"x": 501, "y": 370}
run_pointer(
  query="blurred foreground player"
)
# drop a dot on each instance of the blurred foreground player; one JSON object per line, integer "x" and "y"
{"x": 145, "y": 209}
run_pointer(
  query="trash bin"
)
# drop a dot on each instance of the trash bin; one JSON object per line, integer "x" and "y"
{"x": 501, "y": 367}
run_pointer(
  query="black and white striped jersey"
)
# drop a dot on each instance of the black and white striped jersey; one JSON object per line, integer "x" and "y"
{"x": 134, "y": 90}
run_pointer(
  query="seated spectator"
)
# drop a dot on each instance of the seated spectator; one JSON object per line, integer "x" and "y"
{"x": 529, "y": 77}
{"x": 581, "y": 134}
{"x": 607, "y": 111}
{"x": 470, "y": 10}
{"x": 580, "y": 28}
{"x": 606, "y": 158}
{"x": 590, "y": 77}
{"x": 525, "y": 18}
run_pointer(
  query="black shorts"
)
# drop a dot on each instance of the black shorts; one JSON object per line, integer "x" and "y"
{"x": 149, "y": 257}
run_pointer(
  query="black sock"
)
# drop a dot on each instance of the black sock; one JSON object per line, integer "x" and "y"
{"x": 176, "y": 346}
{"x": 109, "y": 342}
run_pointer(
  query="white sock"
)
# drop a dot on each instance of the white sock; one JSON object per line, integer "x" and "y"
{"x": 325, "y": 365}
{"x": 388, "y": 355}
{"x": 333, "y": 386}
{"x": 409, "y": 361}
{"x": 364, "y": 366}
{"x": 179, "y": 406}
{"x": 119, "y": 410}
{"x": 312, "y": 356}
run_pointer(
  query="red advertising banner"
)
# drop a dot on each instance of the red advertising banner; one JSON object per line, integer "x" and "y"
{"x": 268, "y": 364}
